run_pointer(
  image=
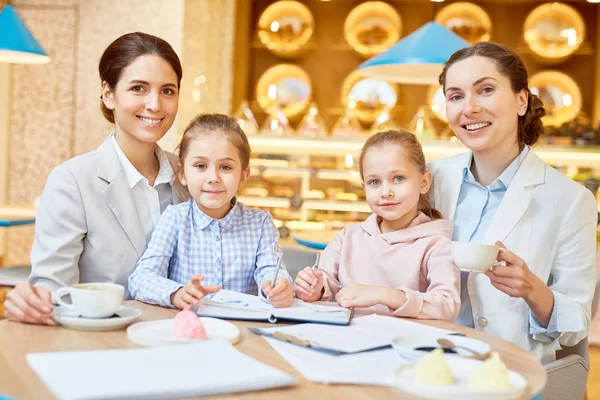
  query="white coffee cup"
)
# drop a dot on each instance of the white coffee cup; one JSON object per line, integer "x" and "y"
{"x": 474, "y": 257}
{"x": 92, "y": 300}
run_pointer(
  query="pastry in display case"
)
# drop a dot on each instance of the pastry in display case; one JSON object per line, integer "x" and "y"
{"x": 286, "y": 87}
{"x": 372, "y": 27}
{"x": 312, "y": 123}
{"x": 561, "y": 96}
{"x": 276, "y": 123}
{"x": 285, "y": 28}
{"x": 467, "y": 20}
{"x": 554, "y": 31}
{"x": 245, "y": 118}
{"x": 384, "y": 122}
{"x": 370, "y": 96}
{"x": 347, "y": 124}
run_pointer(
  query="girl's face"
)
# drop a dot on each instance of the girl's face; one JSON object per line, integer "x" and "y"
{"x": 212, "y": 171}
{"x": 393, "y": 185}
{"x": 145, "y": 99}
{"x": 481, "y": 106}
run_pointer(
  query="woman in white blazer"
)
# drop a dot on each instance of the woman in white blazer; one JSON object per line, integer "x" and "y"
{"x": 98, "y": 210}
{"x": 501, "y": 193}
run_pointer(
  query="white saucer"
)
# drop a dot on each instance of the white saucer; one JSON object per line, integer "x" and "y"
{"x": 158, "y": 333}
{"x": 406, "y": 345}
{"x": 461, "y": 369}
{"x": 125, "y": 316}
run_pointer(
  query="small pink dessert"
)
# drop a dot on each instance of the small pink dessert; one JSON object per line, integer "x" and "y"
{"x": 187, "y": 325}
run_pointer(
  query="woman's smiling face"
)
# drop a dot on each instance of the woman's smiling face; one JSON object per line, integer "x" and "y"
{"x": 481, "y": 106}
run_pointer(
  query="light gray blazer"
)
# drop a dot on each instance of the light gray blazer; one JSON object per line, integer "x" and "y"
{"x": 550, "y": 222}
{"x": 87, "y": 227}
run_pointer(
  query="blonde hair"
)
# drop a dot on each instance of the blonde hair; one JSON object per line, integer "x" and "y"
{"x": 411, "y": 145}
{"x": 210, "y": 124}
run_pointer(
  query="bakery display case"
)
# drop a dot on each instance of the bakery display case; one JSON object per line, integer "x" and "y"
{"x": 314, "y": 183}
{"x": 315, "y": 110}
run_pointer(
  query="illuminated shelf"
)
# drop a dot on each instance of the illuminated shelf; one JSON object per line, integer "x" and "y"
{"x": 434, "y": 149}
{"x": 318, "y": 173}
{"x": 322, "y": 205}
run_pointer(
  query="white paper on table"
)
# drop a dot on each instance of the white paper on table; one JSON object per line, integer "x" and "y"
{"x": 206, "y": 368}
{"x": 375, "y": 367}
{"x": 364, "y": 333}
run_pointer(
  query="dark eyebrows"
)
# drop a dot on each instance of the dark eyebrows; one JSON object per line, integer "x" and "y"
{"x": 477, "y": 82}
{"x": 140, "y": 82}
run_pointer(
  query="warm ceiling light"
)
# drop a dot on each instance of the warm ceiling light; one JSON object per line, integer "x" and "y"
{"x": 593, "y": 1}
{"x": 441, "y": 1}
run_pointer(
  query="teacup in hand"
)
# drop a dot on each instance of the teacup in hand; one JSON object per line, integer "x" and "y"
{"x": 474, "y": 257}
{"x": 92, "y": 300}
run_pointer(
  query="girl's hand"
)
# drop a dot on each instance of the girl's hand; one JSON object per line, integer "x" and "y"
{"x": 357, "y": 295}
{"x": 515, "y": 279}
{"x": 309, "y": 284}
{"x": 281, "y": 295}
{"x": 191, "y": 294}
{"x": 29, "y": 304}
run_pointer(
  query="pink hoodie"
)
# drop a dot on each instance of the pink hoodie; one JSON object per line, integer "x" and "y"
{"x": 416, "y": 260}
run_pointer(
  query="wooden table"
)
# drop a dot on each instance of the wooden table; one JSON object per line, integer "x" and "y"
{"x": 18, "y": 380}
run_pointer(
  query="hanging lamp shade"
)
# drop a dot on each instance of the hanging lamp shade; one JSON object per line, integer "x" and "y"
{"x": 416, "y": 59}
{"x": 17, "y": 44}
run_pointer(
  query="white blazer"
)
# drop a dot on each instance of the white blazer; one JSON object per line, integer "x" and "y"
{"x": 550, "y": 222}
{"x": 87, "y": 227}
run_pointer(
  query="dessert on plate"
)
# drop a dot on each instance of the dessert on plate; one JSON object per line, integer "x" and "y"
{"x": 433, "y": 369}
{"x": 491, "y": 375}
{"x": 187, "y": 325}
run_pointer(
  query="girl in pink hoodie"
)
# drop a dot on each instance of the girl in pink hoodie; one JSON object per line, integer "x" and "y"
{"x": 399, "y": 258}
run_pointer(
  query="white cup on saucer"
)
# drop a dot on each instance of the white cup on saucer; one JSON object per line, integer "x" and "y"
{"x": 474, "y": 257}
{"x": 92, "y": 300}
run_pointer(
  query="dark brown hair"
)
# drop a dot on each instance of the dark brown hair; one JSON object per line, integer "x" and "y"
{"x": 209, "y": 124}
{"x": 511, "y": 66}
{"x": 124, "y": 50}
{"x": 413, "y": 149}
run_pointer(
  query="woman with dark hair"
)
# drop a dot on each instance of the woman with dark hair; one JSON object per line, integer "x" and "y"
{"x": 501, "y": 193}
{"x": 98, "y": 210}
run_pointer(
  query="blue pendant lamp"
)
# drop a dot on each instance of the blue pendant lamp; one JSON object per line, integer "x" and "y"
{"x": 17, "y": 44}
{"x": 416, "y": 59}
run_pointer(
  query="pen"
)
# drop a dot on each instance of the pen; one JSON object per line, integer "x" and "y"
{"x": 315, "y": 266}
{"x": 279, "y": 259}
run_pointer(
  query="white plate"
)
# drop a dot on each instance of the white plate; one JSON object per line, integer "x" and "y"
{"x": 461, "y": 368}
{"x": 125, "y": 316}
{"x": 406, "y": 345}
{"x": 159, "y": 333}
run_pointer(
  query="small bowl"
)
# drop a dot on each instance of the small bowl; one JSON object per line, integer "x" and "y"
{"x": 474, "y": 257}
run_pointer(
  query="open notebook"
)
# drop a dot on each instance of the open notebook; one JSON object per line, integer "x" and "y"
{"x": 227, "y": 304}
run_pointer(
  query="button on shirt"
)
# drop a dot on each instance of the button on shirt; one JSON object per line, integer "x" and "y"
{"x": 150, "y": 201}
{"x": 237, "y": 252}
{"x": 475, "y": 210}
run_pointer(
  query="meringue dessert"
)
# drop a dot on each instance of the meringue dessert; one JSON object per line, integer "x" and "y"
{"x": 187, "y": 325}
{"x": 491, "y": 375}
{"x": 433, "y": 369}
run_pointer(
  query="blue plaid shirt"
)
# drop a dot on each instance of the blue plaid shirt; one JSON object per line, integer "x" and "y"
{"x": 237, "y": 252}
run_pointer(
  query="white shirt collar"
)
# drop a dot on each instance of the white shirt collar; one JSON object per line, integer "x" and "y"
{"x": 165, "y": 171}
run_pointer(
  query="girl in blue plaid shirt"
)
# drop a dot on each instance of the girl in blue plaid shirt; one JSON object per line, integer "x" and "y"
{"x": 211, "y": 241}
